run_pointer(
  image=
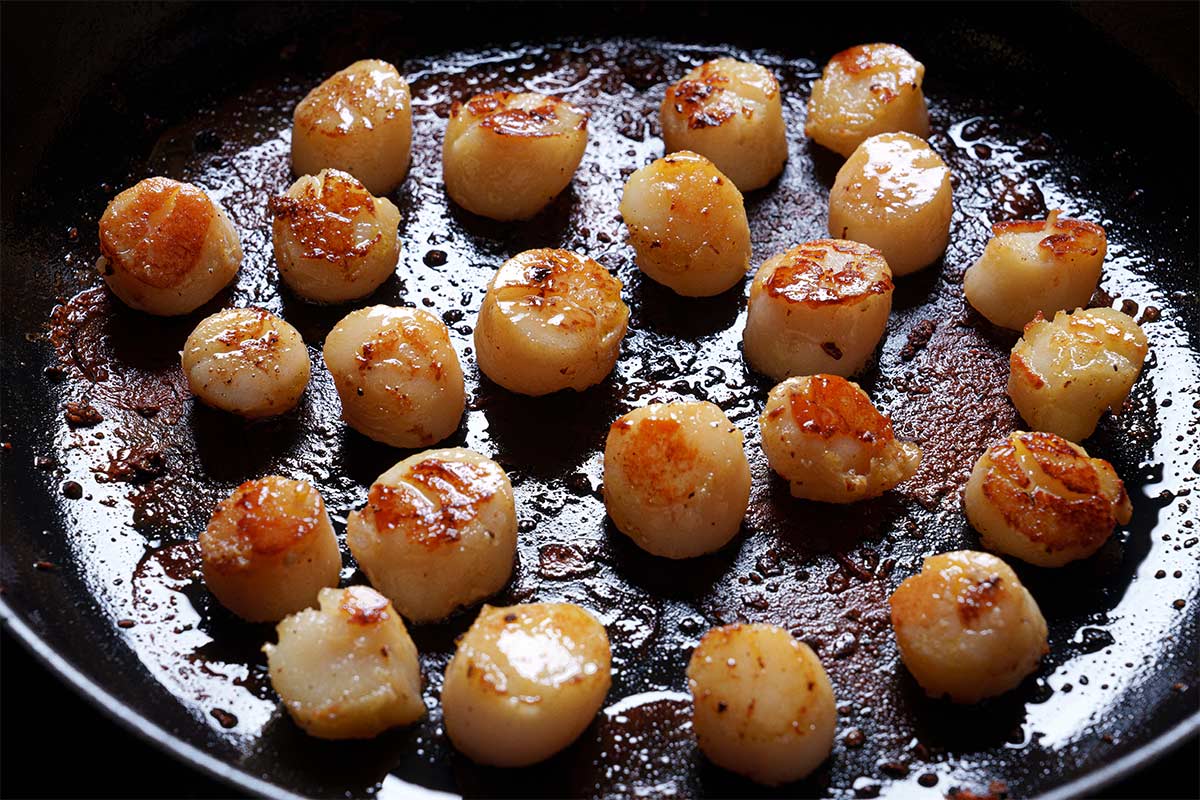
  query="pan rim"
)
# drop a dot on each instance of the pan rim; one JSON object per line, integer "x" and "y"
{"x": 134, "y": 722}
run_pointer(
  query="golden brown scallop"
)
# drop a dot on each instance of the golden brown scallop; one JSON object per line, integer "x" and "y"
{"x": 1065, "y": 374}
{"x": 826, "y": 438}
{"x": 439, "y": 531}
{"x": 166, "y": 247}
{"x": 865, "y": 90}
{"x": 269, "y": 548}
{"x": 507, "y": 155}
{"x": 1042, "y": 499}
{"x": 966, "y": 627}
{"x": 821, "y": 307}
{"x": 333, "y": 241}
{"x": 731, "y": 113}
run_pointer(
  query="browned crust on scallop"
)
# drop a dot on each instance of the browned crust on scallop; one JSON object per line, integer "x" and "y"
{"x": 1020, "y": 370}
{"x": 324, "y": 224}
{"x": 865, "y": 57}
{"x": 436, "y": 501}
{"x": 255, "y": 337}
{"x": 542, "y": 283}
{"x": 412, "y": 335}
{"x": 571, "y": 627}
{"x": 1066, "y": 237}
{"x": 801, "y": 276}
{"x": 832, "y": 406}
{"x": 349, "y": 88}
{"x": 980, "y": 595}
{"x": 363, "y": 605}
{"x": 1078, "y": 516}
{"x": 155, "y": 231}
{"x": 496, "y": 116}
{"x": 263, "y": 517}
{"x": 690, "y": 97}
{"x": 654, "y": 457}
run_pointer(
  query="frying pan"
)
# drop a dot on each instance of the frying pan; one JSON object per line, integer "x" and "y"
{"x": 1032, "y": 108}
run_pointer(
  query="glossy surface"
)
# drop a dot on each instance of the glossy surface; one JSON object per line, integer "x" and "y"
{"x": 940, "y": 375}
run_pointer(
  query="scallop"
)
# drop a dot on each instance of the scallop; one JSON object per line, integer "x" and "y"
{"x": 358, "y": 121}
{"x": 269, "y": 549}
{"x": 525, "y": 682}
{"x": 1065, "y": 374}
{"x": 1036, "y": 265}
{"x": 863, "y": 91}
{"x": 397, "y": 375}
{"x": 676, "y": 479}
{"x": 507, "y": 155}
{"x": 333, "y": 240}
{"x": 823, "y": 435}
{"x": 439, "y": 531}
{"x": 1042, "y": 499}
{"x": 821, "y": 307}
{"x": 551, "y": 320}
{"x": 893, "y": 194}
{"x": 348, "y": 670}
{"x": 764, "y": 707}
{"x": 166, "y": 247}
{"x": 966, "y": 627}
{"x": 687, "y": 224}
{"x": 246, "y": 361}
{"x": 731, "y": 113}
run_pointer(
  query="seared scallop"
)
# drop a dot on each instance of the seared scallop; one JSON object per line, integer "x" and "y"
{"x": 676, "y": 478}
{"x": 507, "y": 155}
{"x": 333, "y": 241}
{"x": 687, "y": 224}
{"x": 824, "y": 436}
{"x": 821, "y": 307}
{"x": 166, "y": 247}
{"x": 764, "y": 707}
{"x": 551, "y": 320}
{"x": 397, "y": 375}
{"x": 525, "y": 682}
{"x": 1065, "y": 374}
{"x": 731, "y": 113}
{"x": 247, "y": 361}
{"x": 1042, "y": 499}
{"x": 893, "y": 194}
{"x": 966, "y": 627}
{"x": 1036, "y": 265}
{"x": 358, "y": 121}
{"x": 865, "y": 90}
{"x": 348, "y": 670}
{"x": 269, "y": 548}
{"x": 439, "y": 531}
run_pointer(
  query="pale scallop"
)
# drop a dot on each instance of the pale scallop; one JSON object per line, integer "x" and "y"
{"x": 687, "y": 224}
{"x": 1042, "y": 499}
{"x": 1065, "y": 374}
{"x": 966, "y": 627}
{"x": 863, "y": 91}
{"x": 507, "y": 155}
{"x": 764, "y": 707}
{"x": 246, "y": 361}
{"x": 166, "y": 247}
{"x": 551, "y": 320}
{"x": 333, "y": 241}
{"x": 893, "y": 194}
{"x": 823, "y": 435}
{"x": 397, "y": 375}
{"x": 821, "y": 307}
{"x": 731, "y": 113}
{"x": 269, "y": 549}
{"x": 525, "y": 682}
{"x": 439, "y": 531}
{"x": 1036, "y": 265}
{"x": 348, "y": 670}
{"x": 358, "y": 121}
{"x": 676, "y": 478}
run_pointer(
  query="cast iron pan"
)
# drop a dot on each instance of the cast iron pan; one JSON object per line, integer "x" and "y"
{"x": 1031, "y": 109}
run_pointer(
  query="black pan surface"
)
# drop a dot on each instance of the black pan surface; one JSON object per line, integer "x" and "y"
{"x": 99, "y": 562}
